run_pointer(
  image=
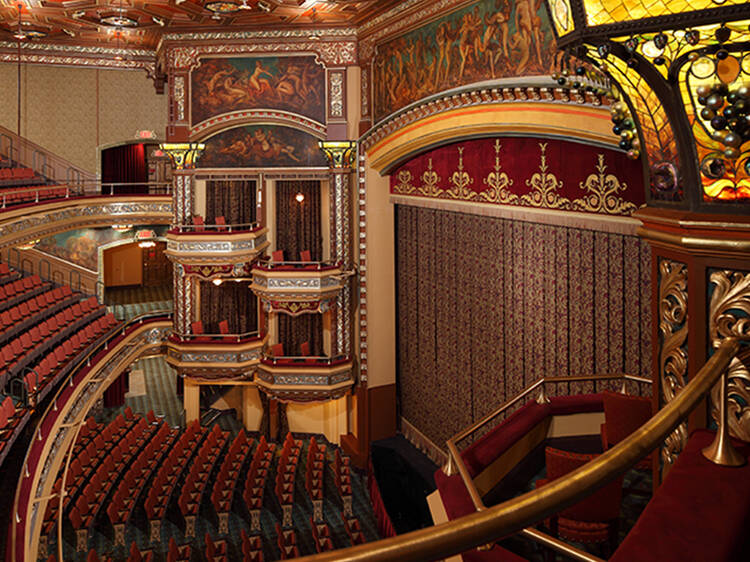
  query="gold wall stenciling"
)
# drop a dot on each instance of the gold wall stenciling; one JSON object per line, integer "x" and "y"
{"x": 730, "y": 316}
{"x": 544, "y": 187}
{"x": 460, "y": 181}
{"x": 563, "y": 176}
{"x": 673, "y": 357}
{"x": 602, "y": 191}
{"x": 71, "y": 111}
{"x": 497, "y": 183}
{"x": 430, "y": 179}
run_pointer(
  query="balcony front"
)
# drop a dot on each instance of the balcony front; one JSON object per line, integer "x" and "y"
{"x": 199, "y": 245}
{"x": 216, "y": 356}
{"x": 296, "y": 287}
{"x": 305, "y": 379}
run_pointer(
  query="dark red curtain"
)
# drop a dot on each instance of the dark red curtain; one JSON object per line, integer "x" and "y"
{"x": 232, "y": 199}
{"x": 298, "y": 224}
{"x": 294, "y": 330}
{"x": 125, "y": 164}
{"x": 231, "y": 301}
{"x": 114, "y": 396}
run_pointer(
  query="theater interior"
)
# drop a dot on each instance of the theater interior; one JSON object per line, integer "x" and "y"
{"x": 374, "y": 280}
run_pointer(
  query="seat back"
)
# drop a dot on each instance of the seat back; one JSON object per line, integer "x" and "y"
{"x": 276, "y": 350}
{"x": 304, "y": 255}
{"x": 304, "y": 348}
{"x": 197, "y": 327}
{"x": 601, "y": 506}
{"x": 224, "y": 327}
{"x": 277, "y": 255}
{"x": 623, "y": 414}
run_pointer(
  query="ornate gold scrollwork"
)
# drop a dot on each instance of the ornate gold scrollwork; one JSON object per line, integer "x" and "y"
{"x": 340, "y": 154}
{"x": 544, "y": 186}
{"x": 673, "y": 359}
{"x": 430, "y": 179}
{"x": 498, "y": 183}
{"x": 730, "y": 316}
{"x": 461, "y": 180}
{"x": 183, "y": 155}
{"x": 602, "y": 191}
{"x": 404, "y": 185}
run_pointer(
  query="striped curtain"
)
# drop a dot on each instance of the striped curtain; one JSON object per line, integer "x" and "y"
{"x": 232, "y": 199}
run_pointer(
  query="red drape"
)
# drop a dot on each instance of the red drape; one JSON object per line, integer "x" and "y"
{"x": 125, "y": 164}
{"x": 114, "y": 396}
{"x": 385, "y": 525}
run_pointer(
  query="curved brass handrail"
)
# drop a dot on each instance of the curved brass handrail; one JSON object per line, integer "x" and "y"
{"x": 486, "y": 526}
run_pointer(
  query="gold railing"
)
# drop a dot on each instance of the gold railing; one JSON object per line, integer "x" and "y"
{"x": 488, "y": 525}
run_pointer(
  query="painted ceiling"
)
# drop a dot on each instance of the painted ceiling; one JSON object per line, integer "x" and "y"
{"x": 140, "y": 24}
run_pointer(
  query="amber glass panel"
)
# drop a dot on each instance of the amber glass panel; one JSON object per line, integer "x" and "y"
{"x": 600, "y": 12}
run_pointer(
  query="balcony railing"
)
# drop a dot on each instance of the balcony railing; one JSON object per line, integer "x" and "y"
{"x": 269, "y": 265}
{"x": 14, "y": 196}
{"x": 216, "y": 228}
{"x": 215, "y": 338}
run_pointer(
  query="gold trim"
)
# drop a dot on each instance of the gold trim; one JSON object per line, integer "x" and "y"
{"x": 695, "y": 242}
{"x": 509, "y": 517}
{"x": 544, "y": 187}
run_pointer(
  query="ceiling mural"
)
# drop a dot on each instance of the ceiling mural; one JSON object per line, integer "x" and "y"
{"x": 262, "y": 146}
{"x": 142, "y": 23}
{"x": 294, "y": 84}
{"x": 484, "y": 40}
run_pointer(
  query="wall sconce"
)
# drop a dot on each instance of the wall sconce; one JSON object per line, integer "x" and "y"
{"x": 217, "y": 282}
{"x": 300, "y": 197}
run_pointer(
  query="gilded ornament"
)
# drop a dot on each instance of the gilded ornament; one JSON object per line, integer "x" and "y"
{"x": 544, "y": 186}
{"x": 498, "y": 182}
{"x": 430, "y": 180}
{"x": 730, "y": 316}
{"x": 673, "y": 358}
{"x": 602, "y": 193}
{"x": 404, "y": 185}
{"x": 461, "y": 180}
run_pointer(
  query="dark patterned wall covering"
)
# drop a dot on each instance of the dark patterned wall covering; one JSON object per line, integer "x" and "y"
{"x": 487, "y": 306}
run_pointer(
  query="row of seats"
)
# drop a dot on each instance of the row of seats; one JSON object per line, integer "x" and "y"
{"x": 321, "y": 535}
{"x": 138, "y": 474}
{"x": 27, "y": 193}
{"x": 286, "y": 472}
{"x": 37, "y": 380}
{"x": 11, "y": 420}
{"x": 286, "y": 539}
{"x": 229, "y": 473}
{"x": 16, "y": 173}
{"x": 201, "y": 468}
{"x": 16, "y": 291}
{"x": 342, "y": 474}
{"x": 252, "y": 548}
{"x": 314, "y": 469}
{"x": 170, "y": 471}
{"x": 25, "y": 314}
{"x": 255, "y": 483}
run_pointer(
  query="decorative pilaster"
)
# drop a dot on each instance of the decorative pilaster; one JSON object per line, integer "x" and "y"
{"x": 183, "y": 157}
{"x": 341, "y": 156}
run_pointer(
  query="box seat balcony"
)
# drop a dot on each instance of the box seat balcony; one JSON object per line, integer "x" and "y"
{"x": 305, "y": 379}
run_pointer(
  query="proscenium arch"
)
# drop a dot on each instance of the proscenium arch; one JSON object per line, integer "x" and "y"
{"x": 481, "y": 111}
{"x": 258, "y": 116}
{"x": 61, "y": 422}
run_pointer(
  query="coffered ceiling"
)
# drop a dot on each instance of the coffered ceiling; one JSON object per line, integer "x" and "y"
{"x": 139, "y": 24}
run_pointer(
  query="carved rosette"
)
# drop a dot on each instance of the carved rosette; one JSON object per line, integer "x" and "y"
{"x": 729, "y": 311}
{"x": 673, "y": 357}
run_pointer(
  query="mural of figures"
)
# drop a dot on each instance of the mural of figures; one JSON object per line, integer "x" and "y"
{"x": 221, "y": 85}
{"x": 484, "y": 40}
{"x": 80, "y": 247}
{"x": 262, "y": 146}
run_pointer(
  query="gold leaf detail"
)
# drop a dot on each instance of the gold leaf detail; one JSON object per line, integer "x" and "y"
{"x": 602, "y": 191}
{"x": 544, "y": 186}
{"x": 497, "y": 183}
{"x": 404, "y": 185}
{"x": 430, "y": 179}
{"x": 730, "y": 316}
{"x": 461, "y": 180}
{"x": 673, "y": 330}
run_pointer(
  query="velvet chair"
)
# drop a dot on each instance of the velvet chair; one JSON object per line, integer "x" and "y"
{"x": 277, "y": 255}
{"x": 305, "y": 256}
{"x": 276, "y": 350}
{"x": 198, "y": 223}
{"x": 623, "y": 414}
{"x": 304, "y": 348}
{"x": 594, "y": 519}
{"x": 221, "y": 223}
{"x": 224, "y": 327}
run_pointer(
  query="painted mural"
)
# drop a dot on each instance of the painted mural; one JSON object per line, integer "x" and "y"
{"x": 80, "y": 247}
{"x": 262, "y": 146}
{"x": 221, "y": 85}
{"x": 484, "y": 40}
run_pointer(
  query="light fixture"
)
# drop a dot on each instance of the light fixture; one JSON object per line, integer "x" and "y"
{"x": 217, "y": 282}
{"x": 300, "y": 197}
{"x": 28, "y": 245}
{"x": 121, "y": 227}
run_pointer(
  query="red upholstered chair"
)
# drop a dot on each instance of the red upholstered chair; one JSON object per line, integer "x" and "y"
{"x": 623, "y": 414}
{"x": 304, "y": 349}
{"x": 198, "y": 222}
{"x": 224, "y": 327}
{"x": 304, "y": 255}
{"x": 277, "y": 255}
{"x": 197, "y": 328}
{"x": 221, "y": 223}
{"x": 594, "y": 519}
{"x": 276, "y": 350}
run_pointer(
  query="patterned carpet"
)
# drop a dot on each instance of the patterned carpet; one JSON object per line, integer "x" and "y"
{"x": 129, "y": 302}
